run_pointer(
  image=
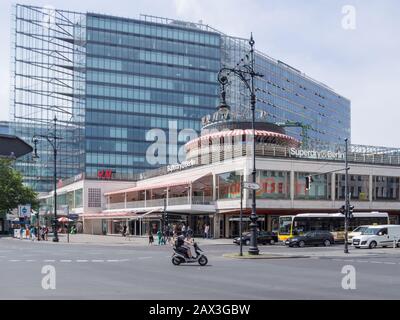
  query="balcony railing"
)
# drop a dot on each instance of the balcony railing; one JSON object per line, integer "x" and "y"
{"x": 198, "y": 200}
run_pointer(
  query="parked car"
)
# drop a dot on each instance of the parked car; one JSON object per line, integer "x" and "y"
{"x": 263, "y": 237}
{"x": 378, "y": 236}
{"x": 312, "y": 238}
{"x": 355, "y": 233}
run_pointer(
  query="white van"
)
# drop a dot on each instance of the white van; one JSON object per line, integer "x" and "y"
{"x": 355, "y": 233}
{"x": 382, "y": 236}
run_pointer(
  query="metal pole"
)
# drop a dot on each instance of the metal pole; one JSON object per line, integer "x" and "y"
{"x": 253, "y": 250}
{"x": 346, "y": 191}
{"x": 38, "y": 227}
{"x": 241, "y": 216}
{"x": 55, "y": 238}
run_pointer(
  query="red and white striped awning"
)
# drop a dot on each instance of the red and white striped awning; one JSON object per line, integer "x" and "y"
{"x": 237, "y": 132}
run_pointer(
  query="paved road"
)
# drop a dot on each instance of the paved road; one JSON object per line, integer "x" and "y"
{"x": 123, "y": 272}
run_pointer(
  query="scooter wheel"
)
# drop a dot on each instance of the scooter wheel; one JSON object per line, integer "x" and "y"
{"x": 176, "y": 261}
{"x": 203, "y": 261}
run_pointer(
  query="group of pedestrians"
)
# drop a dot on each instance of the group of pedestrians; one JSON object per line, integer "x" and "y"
{"x": 33, "y": 233}
{"x": 164, "y": 236}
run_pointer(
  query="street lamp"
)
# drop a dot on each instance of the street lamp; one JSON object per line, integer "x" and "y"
{"x": 52, "y": 139}
{"x": 243, "y": 73}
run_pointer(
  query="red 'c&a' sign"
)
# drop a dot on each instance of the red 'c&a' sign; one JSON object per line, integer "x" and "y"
{"x": 104, "y": 174}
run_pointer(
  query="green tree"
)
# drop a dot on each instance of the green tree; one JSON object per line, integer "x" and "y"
{"x": 12, "y": 190}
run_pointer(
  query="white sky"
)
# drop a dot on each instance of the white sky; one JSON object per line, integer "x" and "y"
{"x": 361, "y": 64}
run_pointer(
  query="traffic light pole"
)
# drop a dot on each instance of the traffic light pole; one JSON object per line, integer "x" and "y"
{"x": 347, "y": 204}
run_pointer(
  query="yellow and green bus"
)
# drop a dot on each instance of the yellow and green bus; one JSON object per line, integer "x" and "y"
{"x": 301, "y": 223}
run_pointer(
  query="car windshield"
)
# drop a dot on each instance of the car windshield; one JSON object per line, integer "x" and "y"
{"x": 370, "y": 231}
{"x": 309, "y": 234}
{"x": 360, "y": 229}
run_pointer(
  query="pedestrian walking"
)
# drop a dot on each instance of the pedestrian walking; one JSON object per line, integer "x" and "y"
{"x": 206, "y": 231}
{"x": 27, "y": 233}
{"x": 124, "y": 231}
{"x": 159, "y": 236}
{"x": 32, "y": 232}
{"x": 46, "y": 233}
{"x": 151, "y": 238}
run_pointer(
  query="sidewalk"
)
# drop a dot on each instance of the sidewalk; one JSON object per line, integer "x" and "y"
{"x": 81, "y": 238}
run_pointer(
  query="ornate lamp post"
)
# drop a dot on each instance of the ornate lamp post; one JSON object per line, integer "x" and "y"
{"x": 246, "y": 74}
{"x": 52, "y": 139}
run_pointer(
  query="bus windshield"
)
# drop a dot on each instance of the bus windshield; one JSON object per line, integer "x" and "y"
{"x": 285, "y": 224}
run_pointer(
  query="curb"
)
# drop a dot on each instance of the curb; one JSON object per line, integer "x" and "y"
{"x": 261, "y": 257}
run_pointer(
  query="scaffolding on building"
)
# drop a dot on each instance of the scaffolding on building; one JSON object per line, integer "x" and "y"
{"x": 48, "y": 80}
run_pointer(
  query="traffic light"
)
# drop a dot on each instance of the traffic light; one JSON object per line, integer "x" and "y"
{"x": 309, "y": 179}
{"x": 342, "y": 209}
{"x": 166, "y": 217}
{"x": 351, "y": 208}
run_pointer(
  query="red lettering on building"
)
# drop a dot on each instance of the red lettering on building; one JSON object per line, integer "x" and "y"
{"x": 104, "y": 174}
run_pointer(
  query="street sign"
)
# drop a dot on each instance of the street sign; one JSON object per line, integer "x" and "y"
{"x": 24, "y": 210}
{"x": 251, "y": 185}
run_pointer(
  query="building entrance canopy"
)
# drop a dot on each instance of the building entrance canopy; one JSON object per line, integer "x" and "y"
{"x": 176, "y": 182}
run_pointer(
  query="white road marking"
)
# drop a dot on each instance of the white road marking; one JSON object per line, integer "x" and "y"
{"x": 112, "y": 260}
{"x": 49, "y": 260}
{"x": 97, "y": 260}
{"x": 390, "y": 263}
{"x": 142, "y": 258}
{"x": 378, "y": 262}
{"x": 65, "y": 260}
{"x": 82, "y": 260}
{"x": 30, "y": 260}
{"x": 14, "y": 260}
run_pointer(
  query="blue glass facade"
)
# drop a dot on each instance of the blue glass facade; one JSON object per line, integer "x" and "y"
{"x": 286, "y": 94}
{"x": 142, "y": 76}
{"x": 122, "y": 77}
{"x": 4, "y": 127}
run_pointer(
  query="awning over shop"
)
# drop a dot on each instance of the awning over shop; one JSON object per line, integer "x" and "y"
{"x": 175, "y": 182}
{"x": 147, "y": 213}
{"x": 120, "y": 214}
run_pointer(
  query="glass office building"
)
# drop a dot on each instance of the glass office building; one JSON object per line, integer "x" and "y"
{"x": 111, "y": 81}
{"x": 140, "y": 76}
{"x": 4, "y": 127}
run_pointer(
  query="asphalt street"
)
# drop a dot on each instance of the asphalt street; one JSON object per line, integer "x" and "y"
{"x": 143, "y": 272}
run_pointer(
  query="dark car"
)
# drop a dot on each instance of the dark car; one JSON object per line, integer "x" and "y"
{"x": 263, "y": 237}
{"x": 312, "y": 238}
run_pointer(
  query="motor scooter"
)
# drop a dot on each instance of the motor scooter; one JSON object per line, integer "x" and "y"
{"x": 178, "y": 257}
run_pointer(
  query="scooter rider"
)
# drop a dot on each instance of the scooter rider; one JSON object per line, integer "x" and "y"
{"x": 183, "y": 246}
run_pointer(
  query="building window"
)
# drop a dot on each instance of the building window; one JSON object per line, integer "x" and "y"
{"x": 228, "y": 185}
{"x": 320, "y": 188}
{"x": 274, "y": 184}
{"x": 385, "y": 188}
{"x": 78, "y": 198}
{"x": 94, "y": 197}
{"x": 358, "y": 187}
